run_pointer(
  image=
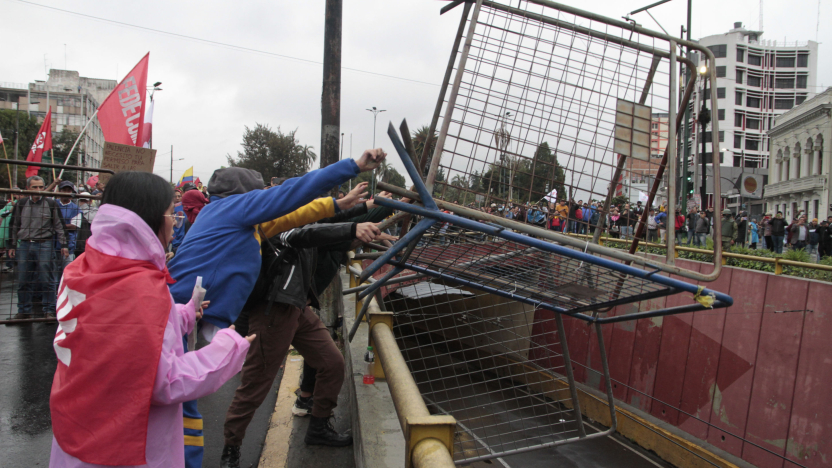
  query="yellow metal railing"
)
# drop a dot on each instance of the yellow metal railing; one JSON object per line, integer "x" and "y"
{"x": 778, "y": 262}
{"x": 429, "y": 439}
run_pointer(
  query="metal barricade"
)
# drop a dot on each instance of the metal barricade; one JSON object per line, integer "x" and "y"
{"x": 539, "y": 97}
{"x": 34, "y": 226}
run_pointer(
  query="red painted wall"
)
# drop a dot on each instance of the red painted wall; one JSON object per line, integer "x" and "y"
{"x": 760, "y": 370}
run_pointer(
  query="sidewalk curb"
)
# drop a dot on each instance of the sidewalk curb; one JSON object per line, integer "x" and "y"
{"x": 276, "y": 447}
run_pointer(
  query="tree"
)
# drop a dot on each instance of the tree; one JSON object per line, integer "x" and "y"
{"x": 419, "y": 138}
{"x": 273, "y": 153}
{"x": 29, "y": 126}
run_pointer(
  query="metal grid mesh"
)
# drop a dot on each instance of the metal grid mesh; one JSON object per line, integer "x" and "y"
{"x": 32, "y": 229}
{"x": 535, "y": 111}
{"x": 527, "y": 273}
{"x": 478, "y": 358}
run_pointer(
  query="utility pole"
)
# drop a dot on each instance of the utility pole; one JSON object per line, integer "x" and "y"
{"x": 375, "y": 112}
{"x": 331, "y": 299}
{"x": 686, "y": 138}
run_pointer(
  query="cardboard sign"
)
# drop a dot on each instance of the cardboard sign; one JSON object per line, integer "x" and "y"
{"x": 120, "y": 158}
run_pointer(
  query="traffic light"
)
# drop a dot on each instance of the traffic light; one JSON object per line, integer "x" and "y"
{"x": 689, "y": 179}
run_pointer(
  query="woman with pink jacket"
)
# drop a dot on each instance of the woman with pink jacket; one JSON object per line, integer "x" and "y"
{"x": 122, "y": 375}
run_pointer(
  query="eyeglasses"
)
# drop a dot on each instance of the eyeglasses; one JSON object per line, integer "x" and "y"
{"x": 178, "y": 219}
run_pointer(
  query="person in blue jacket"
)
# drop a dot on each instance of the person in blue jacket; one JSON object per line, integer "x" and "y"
{"x": 223, "y": 246}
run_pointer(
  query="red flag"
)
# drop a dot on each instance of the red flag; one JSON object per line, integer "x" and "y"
{"x": 92, "y": 181}
{"x": 43, "y": 142}
{"x": 122, "y": 114}
{"x": 112, "y": 313}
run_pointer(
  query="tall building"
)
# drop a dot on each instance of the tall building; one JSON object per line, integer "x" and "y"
{"x": 757, "y": 80}
{"x": 799, "y": 178}
{"x": 74, "y": 99}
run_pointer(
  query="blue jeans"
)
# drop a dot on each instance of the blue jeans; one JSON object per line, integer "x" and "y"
{"x": 34, "y": 267}
{"x": 811, "y": 249}
{"x": 626, "y": 232}
{"x": 701, "y": 240}
{"x": 778, "y": 243}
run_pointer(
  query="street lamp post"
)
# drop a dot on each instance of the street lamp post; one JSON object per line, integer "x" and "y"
{"x": 704, "y": 120}
{"x": 154, "y": 89}
{"x": 375, "y": 112}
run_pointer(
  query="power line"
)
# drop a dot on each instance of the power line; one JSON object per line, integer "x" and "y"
{"x": 217, "y": 43}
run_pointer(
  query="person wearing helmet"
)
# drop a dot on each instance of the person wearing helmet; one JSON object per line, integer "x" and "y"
{"x": 729, "y": 229}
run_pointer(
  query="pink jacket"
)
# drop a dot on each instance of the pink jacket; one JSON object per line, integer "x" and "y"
{"x": 180, "y": 377}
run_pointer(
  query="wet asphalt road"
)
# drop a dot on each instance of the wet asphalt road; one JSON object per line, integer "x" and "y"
{"x": 27, "y": 364}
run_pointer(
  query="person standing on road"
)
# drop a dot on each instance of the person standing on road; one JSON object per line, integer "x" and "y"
{"x": 681, "y": 228}
{"x": 690, "y": 219}
{"x": 766, "y": 225}
{"x": 778, "y": 232}
{"x": 703, "y": 226}
{"x": 823, "y": 233}
{"x": 813, "y": 240}
{"x": 133, "y": 417}
{"x": 742, "y": 229}
{"x": 755, "y": 236}
{"x": 729, "y": 230}
{"x": 36, "y": 222}
{"x": 652, "y": 226}
{"x": 799, "y": 233}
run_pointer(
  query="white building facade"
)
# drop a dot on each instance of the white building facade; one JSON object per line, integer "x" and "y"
{"x": 799, "y": 176}
{"x": 757, "y": 80}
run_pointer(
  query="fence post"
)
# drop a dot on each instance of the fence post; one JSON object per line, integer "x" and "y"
{"x": 778, "y": 268}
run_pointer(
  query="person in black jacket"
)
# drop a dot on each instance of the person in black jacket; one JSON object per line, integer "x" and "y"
{"x": 280, "y": 313}
{"x": 778, "y": 232}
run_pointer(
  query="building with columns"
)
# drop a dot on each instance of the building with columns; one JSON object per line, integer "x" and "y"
{"x": 799, "y": 174}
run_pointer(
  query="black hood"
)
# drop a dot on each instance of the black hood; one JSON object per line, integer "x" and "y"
{"x": 233, "y": 181}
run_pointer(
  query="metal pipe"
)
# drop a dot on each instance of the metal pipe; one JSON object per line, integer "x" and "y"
{"x": 670, "y": 256}
{"x": 446, "y": 123}
{"x": 567, "y": 363}
{"x": 43, "y": 193}
{"x": 649, "y": 6}
{"x": 549, "y": 235}
{"x": 57, "y": 166}
{"x": 430, "y": 453}
{"x": 400, "y": 279}
{"x": 445, "y": 80}
{"x": 406, "y": 395}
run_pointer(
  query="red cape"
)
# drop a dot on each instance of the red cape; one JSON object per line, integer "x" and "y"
{"x": 112, "y": 314}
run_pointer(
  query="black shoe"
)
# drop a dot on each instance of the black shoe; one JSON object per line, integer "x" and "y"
{"x": 321, "y": 432}
{"x": 303, "y": 406}
{"x": 230, "y": 457}
{"x": 21, "y": 316}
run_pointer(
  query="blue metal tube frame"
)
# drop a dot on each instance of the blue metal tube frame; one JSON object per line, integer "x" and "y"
{"x": 431, "y": 215}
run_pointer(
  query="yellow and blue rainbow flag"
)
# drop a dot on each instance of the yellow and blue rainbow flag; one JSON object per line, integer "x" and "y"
{"x": 187, "y": 176}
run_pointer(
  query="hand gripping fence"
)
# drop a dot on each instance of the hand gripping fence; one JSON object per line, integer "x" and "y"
{"x": 483, "y": 331}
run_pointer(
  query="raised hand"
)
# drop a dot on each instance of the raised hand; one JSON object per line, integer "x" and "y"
{"x": 354, "y": 197}
{"x": 371, "y": 159}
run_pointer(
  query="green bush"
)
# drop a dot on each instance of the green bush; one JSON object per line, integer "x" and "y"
{"x": 791, "y": 254}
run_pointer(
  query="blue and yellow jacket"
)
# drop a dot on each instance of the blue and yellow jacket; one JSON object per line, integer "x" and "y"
{"x": 223, "y": 247}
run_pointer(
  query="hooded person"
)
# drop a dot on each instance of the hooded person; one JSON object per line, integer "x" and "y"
{"x": 193, "y": 201}
{"x": 224, "y": 247}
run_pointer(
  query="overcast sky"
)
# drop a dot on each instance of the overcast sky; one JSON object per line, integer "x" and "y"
{"x": 211, "y": 92}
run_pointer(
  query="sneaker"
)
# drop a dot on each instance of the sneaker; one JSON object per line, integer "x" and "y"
{"x": 20, "y": 316}
{"x": 50, "y": 316}
{"x": 230, "y": 457}
{"x": 303, "y": 406}
{"x": 321, "y": 432}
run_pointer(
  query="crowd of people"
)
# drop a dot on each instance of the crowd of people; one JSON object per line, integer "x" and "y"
{"x": 131, "y": 275}
{"x": 694, "y": 228}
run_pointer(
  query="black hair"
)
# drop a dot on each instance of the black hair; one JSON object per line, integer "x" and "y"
{"x": 143, "y": 193}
